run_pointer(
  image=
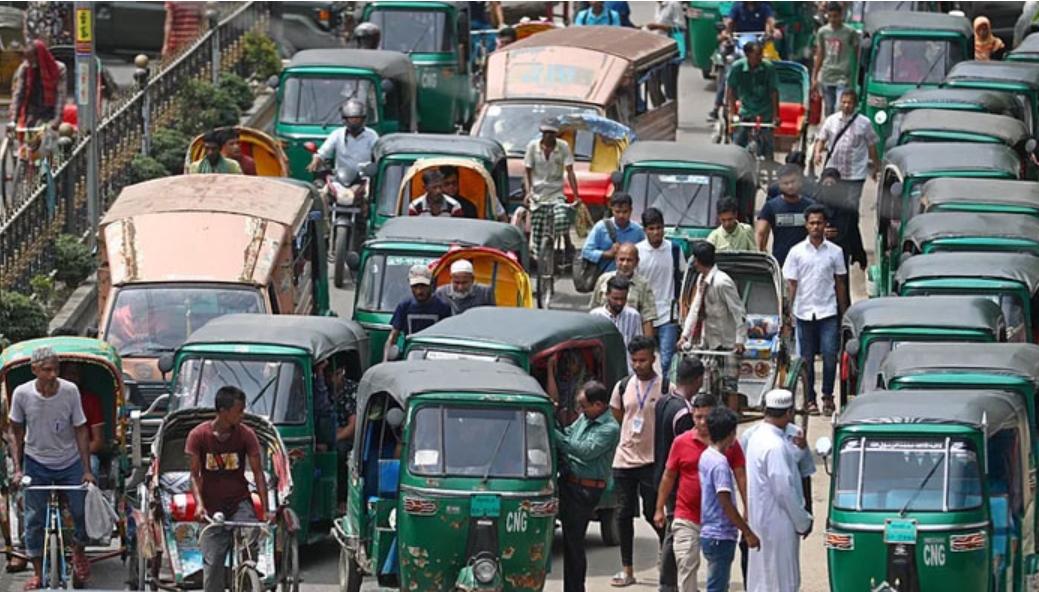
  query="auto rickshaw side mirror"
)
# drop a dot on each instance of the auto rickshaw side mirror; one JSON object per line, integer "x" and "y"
{"x": 852, "y": 348}
{"x": 274, "y": 82}
{"x": 353, "y": 261}
{"x": 823, "y": 446}
{"x": 895, "y": 189}
{"x": 616, "y": 177}
{"x": 1031, "y": 145}
{"x": 165, "y": 364}
{"x": 369, "y": 169}
{"x": 395, "y": 417}
{"x": 387, "y": 86}
{"x": 394, "y": 352}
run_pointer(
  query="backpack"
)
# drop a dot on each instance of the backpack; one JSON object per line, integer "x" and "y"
{"x": 582, "y": 17}
{"x": 622, "y": 385}
{"x": 586, "y": 273}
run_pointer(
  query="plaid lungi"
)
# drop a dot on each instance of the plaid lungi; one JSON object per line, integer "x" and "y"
{"x": 538, "y": 219}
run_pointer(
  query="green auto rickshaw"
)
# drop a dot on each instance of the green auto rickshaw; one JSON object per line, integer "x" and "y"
{"x": 317, "y": 82}
{"x": 855, "y": 12}
{"x": 687, "y": 184}
{"x": 382, "y": 268}
{"x": 872, "y": 328}
{"x": 995, "y": 196}
{"x": 970, "y": 100}
{"x": 282, "y": 363}
{"x": 452, "y": 479}
{"x": 932, "y": 491}
{"x": 1027, "y": 51}
{"x": 394, "y": 154}
{"x": 904, "y": 171}
{"x": 435, "y": 35}
{"x": 1011, "y": 279}
{"x": 959, "y": 231}
{"x": 937, "y": 125}
{"x": 902, "y": 51}
{"x": 938, "y": 366}
{"x": 1019, "y": 78}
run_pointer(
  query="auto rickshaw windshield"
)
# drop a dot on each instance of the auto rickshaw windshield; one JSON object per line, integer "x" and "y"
{"x": 316, "y": 101}
{"x": 414, "y": 30}
{"x": 914, "y": 61}
{"x": 384, "y": 281}
{"x": 897, "y": 474}
{"x": 514, "y": 125}
{"x": 858, "y": 10}
{"x": 480, "y": 442}
{"x": 155, "y": 319}
{"x": 685, "y": 200}
{"x": 274, "y": 389}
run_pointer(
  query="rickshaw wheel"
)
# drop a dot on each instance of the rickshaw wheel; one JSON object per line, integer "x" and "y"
{"x": 249, "y": 580}
{"x": 341, "y": 246}
{"x": 349, "y": 573}
{"x": 546, "y": 272}
{"x": 136, "y": 567}
{"x": 801, "y": 398}
{"x": 54, "y": 569}
{"x": 290, "y": 565}
{"x": 608, "y": 527}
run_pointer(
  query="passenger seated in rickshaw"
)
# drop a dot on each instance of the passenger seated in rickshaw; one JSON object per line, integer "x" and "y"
{"x": 93, "y": 411}
{"x": 233, "y": 150}
{"x": 324, "y": 424}
{"x": 469, "y": 209}
{"x": 344, "y": 406}
{"x": 433, "y": 202}
{"x": 563, "y": 381}
{"x": 463, "y": 292}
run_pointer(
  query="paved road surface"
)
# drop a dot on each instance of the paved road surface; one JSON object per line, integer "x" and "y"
{"x": 318, "y": 563}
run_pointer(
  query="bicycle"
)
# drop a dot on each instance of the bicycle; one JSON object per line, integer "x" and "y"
{"x": 766, "y": 163}
{"x": 56, "y": 570}
{"x": 19, "y": 154}
{"x": 551, "y": 259}
{"x": 245, "y": 577}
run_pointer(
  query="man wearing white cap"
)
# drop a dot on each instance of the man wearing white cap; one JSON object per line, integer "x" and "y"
{"x": 416, "y": 312}
{"x": 463, "y": 292}
{"x": 775, "y": 501}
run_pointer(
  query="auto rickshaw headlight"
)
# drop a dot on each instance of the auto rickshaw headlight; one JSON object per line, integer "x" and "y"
{"x": 485, "y": 570}
{"x": 880, "y": 117}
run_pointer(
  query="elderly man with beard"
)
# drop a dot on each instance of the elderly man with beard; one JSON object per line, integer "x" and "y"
{"x": 463, "y": 292}
{"x": 640, "y": 295}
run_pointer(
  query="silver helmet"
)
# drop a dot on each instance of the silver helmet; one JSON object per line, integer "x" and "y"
{"x": 354, "y": 108}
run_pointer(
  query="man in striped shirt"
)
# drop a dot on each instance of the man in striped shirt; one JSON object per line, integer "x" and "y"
{"x": 627, "y": 320}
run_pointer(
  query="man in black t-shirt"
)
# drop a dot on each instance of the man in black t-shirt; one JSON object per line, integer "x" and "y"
{"x": 416, "y": 312}
{"x": 783, "y": 217}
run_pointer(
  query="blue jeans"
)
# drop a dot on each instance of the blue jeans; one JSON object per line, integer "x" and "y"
{"x": 766, "y": 142}
{"x": 831, "y": 96}
{"x": 819, "y": 337}
{"x": 36, "y": 503}
{"x": 667, "y": 339}
{"x": 719, "y": 554}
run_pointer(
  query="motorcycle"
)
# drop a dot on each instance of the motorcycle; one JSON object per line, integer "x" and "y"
{"x": 343, "y": 195}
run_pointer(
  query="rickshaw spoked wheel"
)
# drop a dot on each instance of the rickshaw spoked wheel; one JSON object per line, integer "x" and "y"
{"x": 801, "y": 399}
{"x": 137, "y": 567}
{"x": 249, "y": 580}
{"x": 349, "y": 572}
{"x": 54, "y": 579}
{"x": 546, "y": 271}
{"x": 290, "y": 564}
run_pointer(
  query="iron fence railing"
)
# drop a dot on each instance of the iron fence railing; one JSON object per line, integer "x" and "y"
{"x": 58, "y": 204}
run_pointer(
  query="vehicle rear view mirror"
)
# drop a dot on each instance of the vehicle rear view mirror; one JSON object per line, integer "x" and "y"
{"x": 852, "y": 348}
{"x": 1031, "y": 145}
{"x": 353, "y": 261}
{"x": 274, "y": 82}
{"x": 369, "y": 169}
{"x": 895, "y": 189}
{"x": 387, "y": 86}
{"x": 394, "y": 352}
{"x": 166, "y": 364}
{"x": 395, "y": 417}
{"x": 616, "y": 177}
{"x": 823, "y": 447}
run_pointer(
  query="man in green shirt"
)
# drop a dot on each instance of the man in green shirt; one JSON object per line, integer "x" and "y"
{"x": 214, "y": 160}
{"x": 835, "y": 49}
{"x": 752, "y": 81}
{"x": 586, "y": 452}
{"x": 731, "y": 235}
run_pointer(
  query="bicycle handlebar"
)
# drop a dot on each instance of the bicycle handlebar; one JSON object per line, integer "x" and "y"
{"x": 710, "y": 352}
{"x": 28, "y": 486}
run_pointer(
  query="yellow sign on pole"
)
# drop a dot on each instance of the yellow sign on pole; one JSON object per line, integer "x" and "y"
{"x": 84, "y": 30}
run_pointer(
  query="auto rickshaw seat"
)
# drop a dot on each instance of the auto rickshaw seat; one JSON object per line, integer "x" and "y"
{"x": 389, "y": 477}
{"x": 791, "y": 117}
{"x": 1000, "y": 509}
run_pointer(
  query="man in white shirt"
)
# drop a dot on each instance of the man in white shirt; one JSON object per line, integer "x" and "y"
{"x": 662, "y": 263}
{"x": 434, "y": 202}
{"x": 815, "y": 272}
{"x": 627, "y": 320}
{"x": 850, "y": 143}
{"x": 350, "y": 145}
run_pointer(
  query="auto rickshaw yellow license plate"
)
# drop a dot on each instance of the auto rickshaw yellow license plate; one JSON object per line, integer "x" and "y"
{"x": 485, "y": 506}
{"x": 900, "y": 531}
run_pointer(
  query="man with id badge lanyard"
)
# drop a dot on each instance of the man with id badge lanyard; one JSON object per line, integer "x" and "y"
{"x": 634, "y": 404}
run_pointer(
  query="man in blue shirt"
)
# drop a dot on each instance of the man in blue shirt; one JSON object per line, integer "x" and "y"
{"x": 598, "y": 15}
{"x": 600, "y": 247}
{"x": 419, "y": 311}
{"x": 623, "y": 10}
{"x": 783, "y": 216}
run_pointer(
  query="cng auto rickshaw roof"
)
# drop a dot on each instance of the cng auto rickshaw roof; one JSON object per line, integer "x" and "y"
{"x": 1017, "y": 267}
{"x": 449, "y": 231}
{"x": 992, "y": 411}
{"x": 937, "y": 225}
{"x": 243, "y": 195}
{"x": 1008, "y": 359}
{"x": 439, "y": 144}
{"x": 1010, "y": 72}
{"x": 938, "y": 157}
{"x": 402, "y": 380}
{"x": 527, "y": 329}
{"x": 1029, "y": 44}
{"x": 634, "y": 45}
{"x": 64, "y": 346}
{"x": 992, "y": 101}
{"x": 1001, "y": 192}
{"x": 388, "y": 64}
{"x": 887, "y": 20}
{"x": 961, "y": 312}
{"x": 319, "y": 336}
{"x": 727, "y": 155}
{"x": 1007, "y": 129}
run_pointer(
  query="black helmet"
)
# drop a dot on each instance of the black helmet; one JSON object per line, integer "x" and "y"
{"x": 367, "y": 35}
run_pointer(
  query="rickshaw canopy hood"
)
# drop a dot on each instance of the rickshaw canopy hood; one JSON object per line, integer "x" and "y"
{"x": 1008, "y": 130}
{"x": 989, "y": 100}
{"x": 596, "y": 124}
{"x": 735, "y": 158}
{"x": 995, "y": 192}
{"x": 392, "y": 65}
{"x": 879, "y": 21}
{"x": 64, "y": 346}
{"x": 989, "y": 411}
{"x": 632, "y": 45}
{"x": 1009, "y": 72}
{"x": 935, "y": 158}
{"x": 1008, "y": 359}
{"x": 320, "y": 337}
{"x": 454, "y": 231}
{"x": 925, "y": 228}
{"x": 403, "y": 380}
{"x": 1028, "y": 45}
{"x": 957, "y": 312}
{"x": 423, "y": 164}
{"x": 1017, "y": 267}
{"x": 11, "y": 18}
{"x": 484, "y": 149}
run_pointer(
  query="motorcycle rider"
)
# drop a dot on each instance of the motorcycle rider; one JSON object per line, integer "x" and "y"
{"x": 350, "y": 145}
{"x": 367, "y": 36}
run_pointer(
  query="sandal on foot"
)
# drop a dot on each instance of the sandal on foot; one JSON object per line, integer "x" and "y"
{"x": 812, "y": 409}
{"x": 622, "y": 579}
{"x": 34, "y": 583}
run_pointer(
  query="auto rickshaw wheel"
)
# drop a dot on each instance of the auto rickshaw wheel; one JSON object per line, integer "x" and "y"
{"x": 349, "y": 572}
{"x": 290, "y": 564}
{"x": 608, "y": 528}
{"x": 342, "y": 245}
{"x": 136, "y": 567}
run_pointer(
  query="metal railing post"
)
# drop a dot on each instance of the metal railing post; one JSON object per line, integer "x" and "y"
{"x": 140, "y": 76}
{"x": 214, "y": 20}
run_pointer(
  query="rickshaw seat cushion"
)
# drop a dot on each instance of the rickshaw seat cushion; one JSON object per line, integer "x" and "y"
{"x": 764, "y": 327}
{"x": 791, "y": 115}
{"x": 389, "y": 477}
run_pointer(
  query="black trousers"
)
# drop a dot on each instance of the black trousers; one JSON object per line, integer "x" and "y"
{"x": 631, "y": 485}
{"x": 576, "y": 510}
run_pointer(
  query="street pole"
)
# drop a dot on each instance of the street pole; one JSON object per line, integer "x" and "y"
{"x": 86, "y": 102}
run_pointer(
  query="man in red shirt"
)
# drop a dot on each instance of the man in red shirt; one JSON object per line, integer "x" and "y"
{"x": 683, "y": 468}
{"x": 233, "y": 149}
{"x": 93, "y": 411}
{"x": 218, "y": 451}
